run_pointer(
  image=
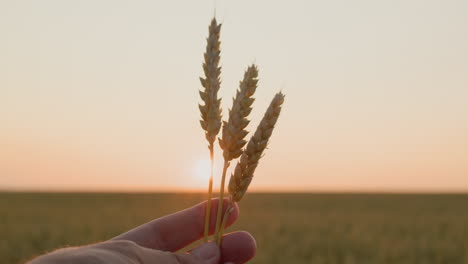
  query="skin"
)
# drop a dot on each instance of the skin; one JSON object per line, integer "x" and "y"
{"x": 157, "y": 242}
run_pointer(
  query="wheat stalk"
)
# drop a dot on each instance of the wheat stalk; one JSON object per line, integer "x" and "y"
{"x": 211, "y": 110}
{"x": 234, "y": 132}
{"x": 245, "y": 168}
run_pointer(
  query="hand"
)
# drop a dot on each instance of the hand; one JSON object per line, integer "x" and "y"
{"x": 156, "y": 241}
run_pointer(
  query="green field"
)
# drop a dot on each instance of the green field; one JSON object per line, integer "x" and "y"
{"x": 289, "y": 228}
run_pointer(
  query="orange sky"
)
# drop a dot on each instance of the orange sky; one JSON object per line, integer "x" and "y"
{"x": 103, "y": 95}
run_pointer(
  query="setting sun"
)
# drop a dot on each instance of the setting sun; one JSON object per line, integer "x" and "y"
{"x": 202, "y": 170}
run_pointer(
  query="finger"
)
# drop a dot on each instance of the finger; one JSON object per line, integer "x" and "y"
{"x": 175, "y": 231}
{"x": 238, "y": 247}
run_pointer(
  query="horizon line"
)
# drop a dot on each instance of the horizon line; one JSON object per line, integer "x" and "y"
{"x": 265, "y": 191}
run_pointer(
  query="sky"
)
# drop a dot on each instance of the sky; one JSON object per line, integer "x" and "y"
{"x": 102, "y": 95}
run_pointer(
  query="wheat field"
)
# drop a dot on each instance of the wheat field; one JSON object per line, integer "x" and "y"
{"x": 289, "y": 228}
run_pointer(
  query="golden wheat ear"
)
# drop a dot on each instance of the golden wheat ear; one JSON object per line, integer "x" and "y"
{"x": 234, "y": 132}
{"x": 211, "y": 109}
{"x": 245, "y": 168}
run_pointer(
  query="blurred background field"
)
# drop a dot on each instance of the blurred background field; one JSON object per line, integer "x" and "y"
{"x": 289, "y": 228}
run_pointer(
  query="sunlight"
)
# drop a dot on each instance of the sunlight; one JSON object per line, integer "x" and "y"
{"x": 198, "y": 171}
{"x": 202, "y": 170}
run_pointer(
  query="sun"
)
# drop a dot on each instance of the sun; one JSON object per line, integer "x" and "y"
{"x": 202, "y": 170}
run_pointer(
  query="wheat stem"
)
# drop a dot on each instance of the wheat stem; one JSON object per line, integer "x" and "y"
{"x": 221, "y": 199}
{"x": 229, "y": 209}
{"x": 210, "y": 194}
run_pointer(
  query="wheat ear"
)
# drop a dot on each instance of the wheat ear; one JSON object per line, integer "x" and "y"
{"x": 211, "y": 110}
{"x": 234, "y": 132}
{"x": 245, "y": 168}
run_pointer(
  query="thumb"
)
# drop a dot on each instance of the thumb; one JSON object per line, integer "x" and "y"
{"x": 207, "y": 253}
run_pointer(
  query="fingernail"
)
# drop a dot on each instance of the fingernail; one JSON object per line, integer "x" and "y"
{"x": 208, "y": 252}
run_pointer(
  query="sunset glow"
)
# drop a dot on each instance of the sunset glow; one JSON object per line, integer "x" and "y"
{"x": 103, "y": 95}
{"x": 202, "y": 170}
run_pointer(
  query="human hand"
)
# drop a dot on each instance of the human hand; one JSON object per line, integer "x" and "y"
{"x": 157, "y": 241}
